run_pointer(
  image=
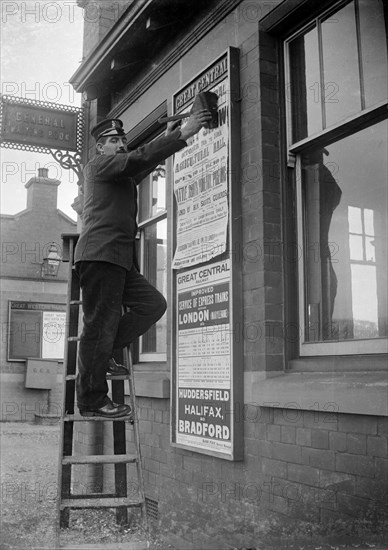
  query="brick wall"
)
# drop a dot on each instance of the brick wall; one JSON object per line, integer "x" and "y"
{"x": 261, "y": 206}
{"x": 90, "y": 440}
{"x": 304, "y": 472}
{"x": 99, "y": 18}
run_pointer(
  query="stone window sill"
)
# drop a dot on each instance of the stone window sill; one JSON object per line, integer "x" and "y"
{"x": 358, "y": 391}
{"x": 152, "y": 380}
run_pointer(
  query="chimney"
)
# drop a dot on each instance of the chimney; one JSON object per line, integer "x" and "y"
{"x": 42, "y": 172}
{"x": 42, "y": 191}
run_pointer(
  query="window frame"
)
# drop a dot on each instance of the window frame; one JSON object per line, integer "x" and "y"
{"x": 145, "y": 131}
{"x": 364, "y": 118}
{"x": 145, "y": 357}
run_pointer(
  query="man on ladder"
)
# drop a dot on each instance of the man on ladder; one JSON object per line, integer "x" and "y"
{"x": 105, "y": 258}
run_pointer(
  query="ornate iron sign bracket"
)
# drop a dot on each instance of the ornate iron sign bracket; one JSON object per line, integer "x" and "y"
{"x": 69, "y": 161}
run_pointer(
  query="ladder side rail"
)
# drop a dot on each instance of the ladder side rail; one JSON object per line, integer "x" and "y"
{"x": 66, "y": 429}
{"x": 136, "y": 436}
{"x": 68, "y": 432}
{"x": 119, "y": 447}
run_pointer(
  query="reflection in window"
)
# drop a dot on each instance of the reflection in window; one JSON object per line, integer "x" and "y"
{"x": 338, "y": 67}
{"x": 363, "y": 272}
{"x": 361, "y": 234}
{"x": 345, "y": 201}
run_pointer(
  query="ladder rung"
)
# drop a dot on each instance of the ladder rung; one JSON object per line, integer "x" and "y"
{"x": 115, "y": 502}
{"x": 92, "y": 495}
{"x": 74, "y": 339}
{"x": 108, "y": 377}
{"x": 106, "y": 546}
{"x": 100, "y": 459}
{"x": 80, "y": 418}
{"x": 75, "y": 302}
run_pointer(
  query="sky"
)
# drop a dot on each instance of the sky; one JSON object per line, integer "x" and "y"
{"x": 41, "y": 48}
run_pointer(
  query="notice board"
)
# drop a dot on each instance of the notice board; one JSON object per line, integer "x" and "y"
{"x": 36, "y": 329}
{"x": 207, "y": 355}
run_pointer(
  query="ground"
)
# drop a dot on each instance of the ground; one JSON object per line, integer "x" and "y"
{"x": 29, "y": 469}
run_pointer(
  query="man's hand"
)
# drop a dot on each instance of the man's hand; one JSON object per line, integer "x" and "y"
{"x": 195, "y": 122}
{"x": 171, "y": 126}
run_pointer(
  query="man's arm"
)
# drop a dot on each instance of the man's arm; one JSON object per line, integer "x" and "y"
{"x": 171, "y": 126}
{"x": 146, "y": 157}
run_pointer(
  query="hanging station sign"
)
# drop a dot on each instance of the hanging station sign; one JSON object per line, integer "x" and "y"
{"x": 43, "y": 127}
{"x": 207, "y": 352}
{"x": 37, "y": 124}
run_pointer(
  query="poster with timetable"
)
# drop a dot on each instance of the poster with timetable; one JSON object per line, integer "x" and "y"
{"x": 204, "y": 382}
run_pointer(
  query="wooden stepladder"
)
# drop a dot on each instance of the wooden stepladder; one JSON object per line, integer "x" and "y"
{"x": 124, "y": 495}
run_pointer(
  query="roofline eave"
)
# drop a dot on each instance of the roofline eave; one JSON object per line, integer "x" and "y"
{"x": 92, "y": 64}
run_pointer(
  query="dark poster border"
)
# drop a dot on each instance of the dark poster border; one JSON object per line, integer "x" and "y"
{"x": 234, "y": 236}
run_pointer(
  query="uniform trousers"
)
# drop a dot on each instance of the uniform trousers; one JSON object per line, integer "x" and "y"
{"x": 106, "y": 288}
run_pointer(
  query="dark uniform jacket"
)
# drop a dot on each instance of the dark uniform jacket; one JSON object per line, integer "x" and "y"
{"x": 110, "y": 201}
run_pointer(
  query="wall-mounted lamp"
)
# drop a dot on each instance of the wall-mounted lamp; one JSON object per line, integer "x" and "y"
{"x": 91, "y": 92}
{"x": 51, "y": 262}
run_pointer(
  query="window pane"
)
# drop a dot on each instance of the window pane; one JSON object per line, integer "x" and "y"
{"x": 368, "y": 222}
{"x": 365, "y": 312}
{"x": 305, "y": 85}
{"x": 152, "y": 194}
{"x": 345, "y": 200}
{"x": 340, "y": 65}
{"x": 374, "y": 50}
{"x": 356, "y": 247}
{"x": 155, "y": 270}
{"x": 354, "y": 219}
{"x": 370, "y": 249}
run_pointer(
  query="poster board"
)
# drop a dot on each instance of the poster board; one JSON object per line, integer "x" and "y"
{"x": 207, "y": 357}
{"x": 36, "y": 330}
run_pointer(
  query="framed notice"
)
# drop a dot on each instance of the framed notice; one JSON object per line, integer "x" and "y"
{"x": 207, "y": 374}
{"x": 36, "y": 330}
